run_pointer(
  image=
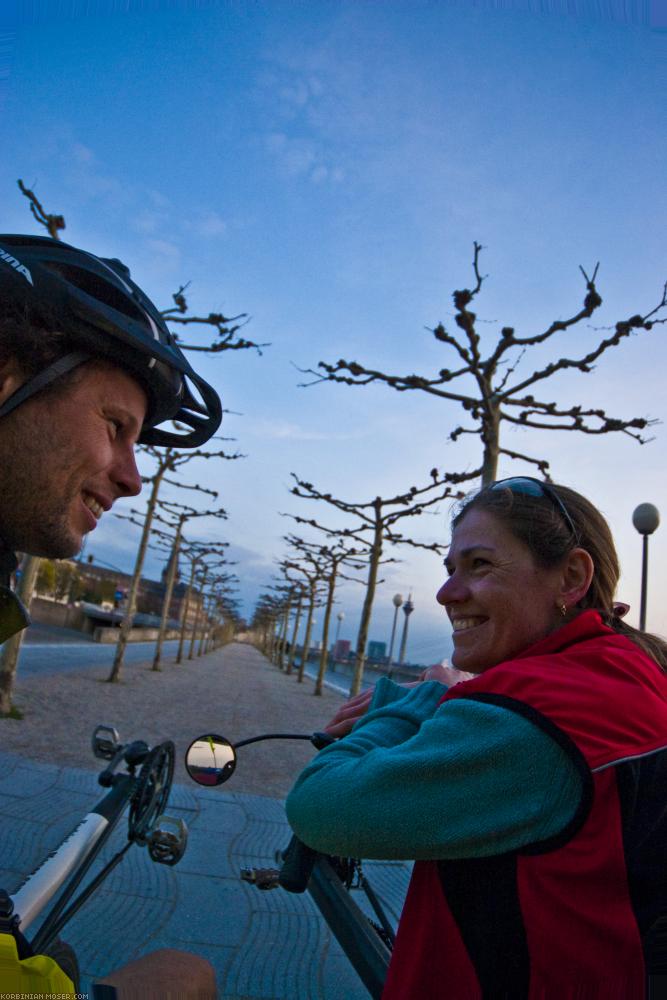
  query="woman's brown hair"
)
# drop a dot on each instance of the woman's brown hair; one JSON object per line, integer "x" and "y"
{"x": 538, "y": 522}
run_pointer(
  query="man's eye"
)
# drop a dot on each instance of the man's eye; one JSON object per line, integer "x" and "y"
{"x": 480, "y": 561}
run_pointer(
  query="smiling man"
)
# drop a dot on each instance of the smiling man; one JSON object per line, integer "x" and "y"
{"x": 88, "y": 368}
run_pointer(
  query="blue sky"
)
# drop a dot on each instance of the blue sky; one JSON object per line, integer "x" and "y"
{"x": 326, "y": 167}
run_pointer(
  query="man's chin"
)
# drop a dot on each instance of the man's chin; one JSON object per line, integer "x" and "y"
{"x": 55, "y": 546}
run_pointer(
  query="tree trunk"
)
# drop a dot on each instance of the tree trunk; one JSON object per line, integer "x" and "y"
{"x": 491, "y": 441}
{"x": 173, "y": 562}
{"x": 206, "y": 627}
{"x": 295, "y": 633}
{"x": 186, "y": 609}
{"x": 200, "y": 608}
{"x": 360, "y": 657}
{"x": 126, "y": 624}
{"x": 10, "y": 651}
{"x": 282, "y": 642}
{"x": 306, "y": 638}
{"x": 324, "y": 657}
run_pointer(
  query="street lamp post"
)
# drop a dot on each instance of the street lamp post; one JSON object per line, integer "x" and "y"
{"x": 396, "y": 600}
{"x": 408, "y": 608}
{"x": 340, "y": 618}
{"x": 646, "y": 519}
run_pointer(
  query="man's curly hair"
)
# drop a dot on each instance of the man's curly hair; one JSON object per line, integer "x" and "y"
{"x": 32, "y": 341}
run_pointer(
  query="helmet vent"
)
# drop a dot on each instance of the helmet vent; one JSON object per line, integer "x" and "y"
{"x": 99, "y": 289}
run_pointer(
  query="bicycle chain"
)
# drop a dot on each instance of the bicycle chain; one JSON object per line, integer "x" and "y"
{"x": 151, "y": 793}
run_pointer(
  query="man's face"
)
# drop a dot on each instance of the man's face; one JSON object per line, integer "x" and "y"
{"x": 65, "y": 457}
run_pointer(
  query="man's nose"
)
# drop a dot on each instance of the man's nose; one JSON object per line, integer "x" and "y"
{"x": 126, "y": 474}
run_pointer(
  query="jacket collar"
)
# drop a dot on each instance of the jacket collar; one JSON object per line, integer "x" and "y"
{"x": 587, "y": 625}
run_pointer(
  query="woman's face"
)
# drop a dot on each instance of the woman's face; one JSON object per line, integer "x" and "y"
{"x": 498, "y": 599}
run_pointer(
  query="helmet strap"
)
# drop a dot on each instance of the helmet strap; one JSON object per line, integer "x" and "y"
{"x": 43, "y": 379}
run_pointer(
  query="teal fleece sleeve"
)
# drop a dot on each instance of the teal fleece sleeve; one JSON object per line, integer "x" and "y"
{"x": 419, "y": 780}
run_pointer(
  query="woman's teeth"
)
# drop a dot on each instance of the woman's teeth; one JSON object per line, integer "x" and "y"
{"x": 461, "y": 624}
{"x": 92, "y": 505}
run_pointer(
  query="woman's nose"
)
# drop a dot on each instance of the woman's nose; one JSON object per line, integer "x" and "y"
{"x": 451, "y": 590}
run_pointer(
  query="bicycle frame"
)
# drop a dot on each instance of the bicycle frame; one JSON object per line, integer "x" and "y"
{"x": 327, "y": 879}
{"x": 146, "y": 793}
{"x": 69, "y": 864}
{"x": 356, "y": 935}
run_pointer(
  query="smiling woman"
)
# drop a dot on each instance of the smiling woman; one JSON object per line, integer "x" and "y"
{"x": 531, "y": 795}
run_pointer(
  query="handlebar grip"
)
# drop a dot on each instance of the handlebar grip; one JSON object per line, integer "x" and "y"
{"x": 297, "y": 866}
{"x": 322, "y": 740}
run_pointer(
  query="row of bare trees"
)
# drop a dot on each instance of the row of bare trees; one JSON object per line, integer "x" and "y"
{"x": 493, "y": 393}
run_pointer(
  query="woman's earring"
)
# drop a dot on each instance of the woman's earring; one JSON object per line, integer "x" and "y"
{"x": 563, "y": 609}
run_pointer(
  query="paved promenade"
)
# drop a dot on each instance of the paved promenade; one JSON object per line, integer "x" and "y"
{"x": 262, "y": 945}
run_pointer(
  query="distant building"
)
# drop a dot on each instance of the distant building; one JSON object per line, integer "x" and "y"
{"x": 341, "y": 650}
{"x": 377, "y": 650}
{"x": 97, "y": 581}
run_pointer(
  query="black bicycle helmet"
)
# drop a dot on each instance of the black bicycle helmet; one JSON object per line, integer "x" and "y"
{"x": 104, "y": 314}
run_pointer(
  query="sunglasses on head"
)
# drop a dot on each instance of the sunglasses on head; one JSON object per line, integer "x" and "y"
{"x": 527, "y": 486}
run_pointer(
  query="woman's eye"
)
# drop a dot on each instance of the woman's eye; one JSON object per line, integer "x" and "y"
{"x": 479, "y": 561}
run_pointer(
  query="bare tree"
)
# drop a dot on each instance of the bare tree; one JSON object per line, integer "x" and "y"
{"x": 265, "y": 622}
{"x": 378, "y": 518}
{"x": 312, "y": 568}
{"x": 52, "y": 223}
{"x": 167, "y": 461}
{"x": 330, "y": 558}
{"x": 197, "y": 553}
{"x": 180, "y": 514}
{"x": 499, "y": 394}
{"x": 226, "y": 327}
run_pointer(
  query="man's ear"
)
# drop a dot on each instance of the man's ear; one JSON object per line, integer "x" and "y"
{"x": 577, "y": 574}
{"x": 11, "y": 378}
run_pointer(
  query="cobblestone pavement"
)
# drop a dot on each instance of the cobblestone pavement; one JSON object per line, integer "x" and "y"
{"x": 262, "y": 945}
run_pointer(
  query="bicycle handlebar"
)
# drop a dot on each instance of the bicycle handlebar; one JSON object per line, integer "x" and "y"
{"x": 297, "y": 866}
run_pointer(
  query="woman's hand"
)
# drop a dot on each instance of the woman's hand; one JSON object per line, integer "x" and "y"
{"x": 351, "y": 711}
{"x": 445, "y": 675}
{"x": 348, "y": 713}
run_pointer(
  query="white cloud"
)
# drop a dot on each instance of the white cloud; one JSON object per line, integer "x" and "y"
{"x": 82, "y": 153}
{"x": 299, "y": 157}
{"x": 207, "y": 224}
{"x": 284, "y": 430}
{"x": 148, "y": 222}
{"x": 168, "y": 254}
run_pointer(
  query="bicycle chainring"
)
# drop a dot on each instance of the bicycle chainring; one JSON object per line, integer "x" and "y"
{"x": 152, "y": 791}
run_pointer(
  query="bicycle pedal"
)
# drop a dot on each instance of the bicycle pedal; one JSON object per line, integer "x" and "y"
{"x": 167, "y": 840}
{"x": 262, "y": 878}
{"x": 106, "y": 742}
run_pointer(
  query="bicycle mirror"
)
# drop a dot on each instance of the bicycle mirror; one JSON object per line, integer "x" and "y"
{"x": 210, "y": 759}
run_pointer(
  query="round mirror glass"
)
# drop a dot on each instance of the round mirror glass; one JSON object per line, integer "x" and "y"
{"x": 210, "y": 759}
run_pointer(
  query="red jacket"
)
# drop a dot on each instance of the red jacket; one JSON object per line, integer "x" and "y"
{"x": 568, "y": 917}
